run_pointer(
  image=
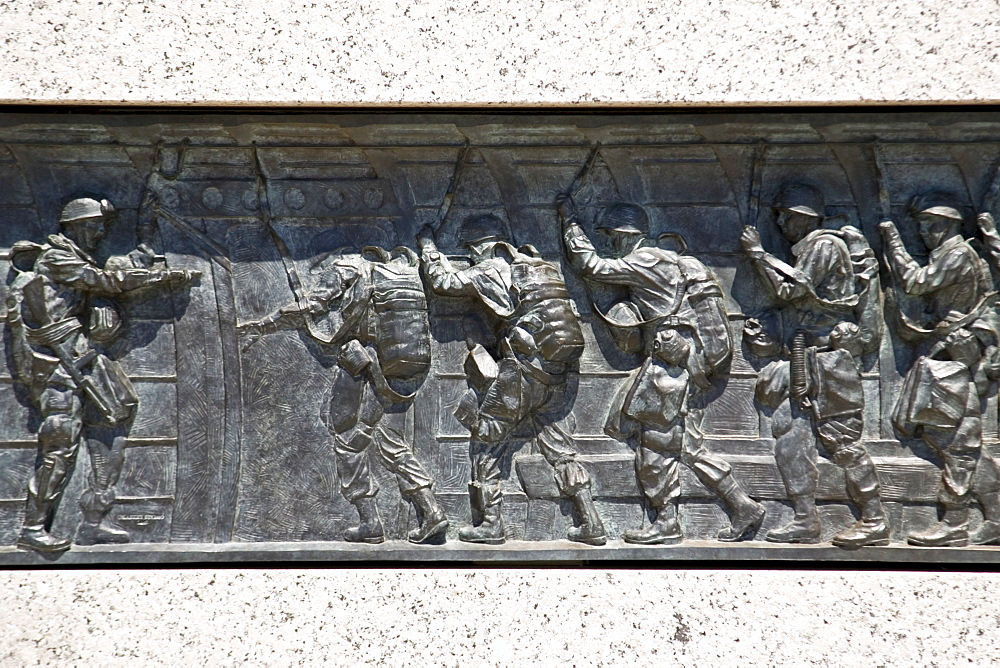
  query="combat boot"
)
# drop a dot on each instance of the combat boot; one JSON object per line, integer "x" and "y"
{"x": 951, "y": 531}
{"x": 435, "y": 522}
{"x": 804, "y": 527}
{"x": 863, "y": 534}
{"x": 33, "y": 535}
{"x": 100, "y": 533}
{"x": 40, "y": 540}
{"x": 872, "y": 530}
{"x": 94, "y": 530}
{"x": 489, "y": 532}
{"x": 746, "y": 514}
{"x": 664, "y": 531}
{"x": 989, "y": 531}
{"x": 369, "y": 530}
{"x": 591, "y": 529}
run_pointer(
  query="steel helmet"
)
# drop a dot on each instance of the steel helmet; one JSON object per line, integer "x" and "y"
{"x": 624, "y": 217}
{"x": 84, "y": 208}
{"x": 800, "y": 198}
{"x": 936, "y": 203}
{"x": 482, "y": 227}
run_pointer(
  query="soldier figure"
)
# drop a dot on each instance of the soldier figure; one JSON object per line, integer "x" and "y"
{"x": 526, "y": 298}
{"x": 56, "y": 315}
{"x": 817, "y": 394}
{"x": 942, "y": 394}
{"x": 686, "y": 335}
{"x": 375, "y": 311}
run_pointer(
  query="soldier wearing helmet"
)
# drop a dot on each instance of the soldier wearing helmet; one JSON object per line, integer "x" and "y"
{"x": 525, "y": 298}
{"x": 816, "y": 393}
{"x": 944, "y": 391}
{"x": 55, "y": 314}
{"x": 679, "y": 302}
{"x": 369, "y": 307}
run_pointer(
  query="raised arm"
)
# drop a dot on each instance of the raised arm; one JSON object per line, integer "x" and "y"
{"x": 914, "y": 279}
{"x": 343, "y": 289}
{"x": 582, "y": 255}
{"x": 444, "y": 278}
{"x": 787, "y": 282}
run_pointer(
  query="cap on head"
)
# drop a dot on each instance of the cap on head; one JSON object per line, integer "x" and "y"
{"x": 624, "y": 217}
{"x": 84, "y": 208}
{"x": 800, "y": 198}
{"x": 936, "y": 203}
{"x": 482, "y": 227}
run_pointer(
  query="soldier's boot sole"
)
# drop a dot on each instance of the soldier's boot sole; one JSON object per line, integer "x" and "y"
{"x": 863, "y": 535}
{"x": 957, "y": 539}
{"x": 89, "y": 534}
{"x": 42, "y": 541}
{"x": 433, "y": 531}
{"x": 668, "y": 534}
{"x": 744, "y": 526}
{"x": 481, "y": 537}
{"x": 356, "y": 535}
{"x": 796, "y": 532}
{"x": 587, "y": 536}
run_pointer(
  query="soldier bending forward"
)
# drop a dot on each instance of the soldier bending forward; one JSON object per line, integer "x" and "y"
{"x": 526, "y": 298}
{"x": 375, "y": 311}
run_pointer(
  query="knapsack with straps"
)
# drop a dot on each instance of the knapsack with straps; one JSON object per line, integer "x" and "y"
{"x": 399, "y": 312}
{"x": 867, "y": 308}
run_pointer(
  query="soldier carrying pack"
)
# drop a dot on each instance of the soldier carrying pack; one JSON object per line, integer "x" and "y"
{"x": 399, "y": 313}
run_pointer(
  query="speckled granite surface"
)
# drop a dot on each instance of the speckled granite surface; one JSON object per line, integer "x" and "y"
{"x": 506, "y": 617}
{"x": 503, "y": 52}
{"x": 500, "y": 51}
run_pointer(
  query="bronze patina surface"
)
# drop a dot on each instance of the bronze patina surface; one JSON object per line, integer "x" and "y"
{"x": 499, "y": 338}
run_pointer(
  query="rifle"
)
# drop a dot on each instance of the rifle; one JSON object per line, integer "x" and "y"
{"x": 452, "y": 186}
{"x": 885, "y": 204}
{"x": 756, "y": 181}
{"x": 151, "y": 202}
{"x": 34, "y": 296}
{"x": 577, "y": 183}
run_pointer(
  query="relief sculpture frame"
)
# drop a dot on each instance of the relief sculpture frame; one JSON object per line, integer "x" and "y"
{"x": 555, "y": 337}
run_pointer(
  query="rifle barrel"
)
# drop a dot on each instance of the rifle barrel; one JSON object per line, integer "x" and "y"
{"x": 449, "y": 196}
{"x": 577, "y": 183}
{"x": 756, "y": 181}
{"x": 992, "y": 196}
{"x": 885, "y": 202}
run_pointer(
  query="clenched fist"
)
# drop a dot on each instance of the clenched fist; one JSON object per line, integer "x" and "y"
{"x": 750, "y": 240}
{"x": 887, "y": 228}
{"x": 987, "y": 225}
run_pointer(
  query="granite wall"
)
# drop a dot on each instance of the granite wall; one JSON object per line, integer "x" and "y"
{"x": 547, "y": 53}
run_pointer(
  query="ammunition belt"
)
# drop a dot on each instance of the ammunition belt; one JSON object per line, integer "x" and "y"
{"x": 400, "y": 304}
{"x": 544, "y": 294}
